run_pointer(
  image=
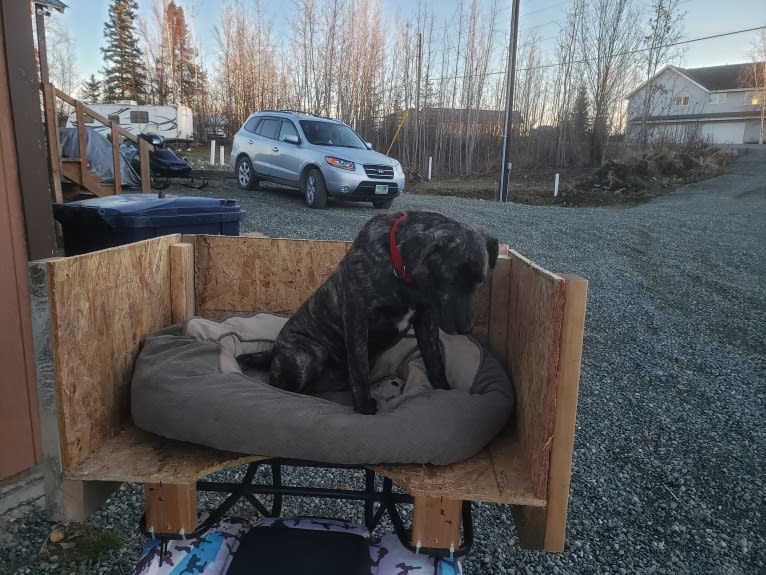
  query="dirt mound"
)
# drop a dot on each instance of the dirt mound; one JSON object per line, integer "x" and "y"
{"x": 633, "y": 179}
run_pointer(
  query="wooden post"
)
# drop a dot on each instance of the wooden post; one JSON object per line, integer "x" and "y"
{"x": 52, "y": 133}
{"x": 560, "y": 472}
{"x": 146, "y": 174}
{"x": 116, "y": 158}
{"x": 82, "y": 141}
{"x": 170, "y": 508}
{"x": 181, "y": 282}
{"x": 436, "y": 522}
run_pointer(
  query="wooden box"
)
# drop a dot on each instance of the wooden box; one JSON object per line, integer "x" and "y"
{"x": 91, "y": 313}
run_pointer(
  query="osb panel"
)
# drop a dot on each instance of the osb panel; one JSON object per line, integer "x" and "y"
{"x": 246, "y": 275}
{"x": 481, "y": 312}
{"x": 497, "y": 474}
{"x": 534, "y": 333}
{"x": 142, "y": 457}
{"x": 103, "y": 305}
{"x": 500, "y": 287}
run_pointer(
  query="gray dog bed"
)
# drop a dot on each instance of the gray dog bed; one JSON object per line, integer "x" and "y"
{"x": 188, "y": 386}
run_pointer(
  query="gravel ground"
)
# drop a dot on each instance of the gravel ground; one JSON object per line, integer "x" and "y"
{"x": 670, "y": 450}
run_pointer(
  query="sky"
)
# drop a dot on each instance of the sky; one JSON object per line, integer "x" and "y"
{"x": 85, "y": 21}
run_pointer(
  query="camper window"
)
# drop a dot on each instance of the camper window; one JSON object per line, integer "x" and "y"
{"x": 115, "y": 118}
{"x": 139, "y": 117}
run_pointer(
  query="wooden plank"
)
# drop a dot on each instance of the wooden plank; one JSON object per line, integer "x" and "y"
{"x": 116, "y": 158}
{"x": 181, "y": 282}
{"x": 82, "y": 141}
{"x": 52, "y": 133}
{"x": 144, "y": 148}
{"x": 500, "y": 293}
{"x": 103, "y": 305}
{"x": 530, "y": 526}
{"x": 142, "y": 457}
{"x": 236, "y": 275}
{"x": 170, "y": 508}
{"x": 436, "y": 522}
{"x": 534, "y": 332}
{"x": 567, "y": 391}
{"x": 498, "y": 474}
{"x": 482, "y": 311}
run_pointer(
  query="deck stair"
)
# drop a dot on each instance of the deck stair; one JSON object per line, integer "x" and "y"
{"x": 71, "y": 175}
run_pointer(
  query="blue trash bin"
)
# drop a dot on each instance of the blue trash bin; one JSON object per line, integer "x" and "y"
{"x": 98, "y": 223}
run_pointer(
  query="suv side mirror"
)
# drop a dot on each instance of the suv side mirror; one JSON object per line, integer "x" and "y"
{"x": 292, "y": 139}
{"x": 369, "y": 145}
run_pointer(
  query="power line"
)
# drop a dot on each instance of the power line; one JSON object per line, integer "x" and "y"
{"x": 638, "y": 50}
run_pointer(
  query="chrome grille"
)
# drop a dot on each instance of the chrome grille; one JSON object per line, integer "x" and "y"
{"x": 379, "y": 172}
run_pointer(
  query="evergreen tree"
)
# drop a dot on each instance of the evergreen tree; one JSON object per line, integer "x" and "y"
{"x": 91, "y": 90}
{"x": 124, "y": 72}
{"x": 178, "y": 76}
{"x": 580, "y": 115}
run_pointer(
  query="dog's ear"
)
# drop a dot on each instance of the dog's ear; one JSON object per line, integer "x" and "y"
{"x": 493, "y": 246}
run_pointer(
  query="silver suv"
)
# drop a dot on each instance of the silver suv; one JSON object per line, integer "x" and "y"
{"x": 320, "y": 156}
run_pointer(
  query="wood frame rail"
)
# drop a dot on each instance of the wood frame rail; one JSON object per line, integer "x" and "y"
{"x": 88, "y": 334}
{"x": 83, "y": 177}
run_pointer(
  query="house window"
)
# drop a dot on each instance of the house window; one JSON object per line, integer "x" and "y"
{"x": 753, "y": 98}
{"x": 682, "y": 100}
{"x": 139, "y": 117}
{"x": 719, "y": 98}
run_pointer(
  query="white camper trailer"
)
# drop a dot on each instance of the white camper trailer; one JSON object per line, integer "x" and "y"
{"x": 172, "y": 122}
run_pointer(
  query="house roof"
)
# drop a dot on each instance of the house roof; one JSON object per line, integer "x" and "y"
{"x": 731, "y": 77}
{"x": 718, "y": 78}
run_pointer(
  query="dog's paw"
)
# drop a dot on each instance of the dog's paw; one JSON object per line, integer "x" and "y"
{"x": 369, "y": 407}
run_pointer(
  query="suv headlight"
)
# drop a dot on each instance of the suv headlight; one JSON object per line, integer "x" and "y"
{"x": 398, "y": 168}
{"x": 340, "y": 163}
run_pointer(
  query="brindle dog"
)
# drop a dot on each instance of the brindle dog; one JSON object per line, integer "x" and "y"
{"x": 415, "y": 269}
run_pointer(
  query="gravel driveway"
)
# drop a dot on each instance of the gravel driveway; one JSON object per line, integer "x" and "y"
{"x": 670, "y": 451}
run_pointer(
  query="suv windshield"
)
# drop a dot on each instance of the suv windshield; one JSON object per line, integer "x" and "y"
{"x": 331, "y": 134}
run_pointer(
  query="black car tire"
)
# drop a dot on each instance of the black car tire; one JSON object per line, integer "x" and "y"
{"x": 246, "y": 174}
{"x": 314, "y": 189}
{"x": 382, "y": 204}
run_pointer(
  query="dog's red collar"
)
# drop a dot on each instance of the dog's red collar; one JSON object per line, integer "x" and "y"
{"x": 396, "y": 258}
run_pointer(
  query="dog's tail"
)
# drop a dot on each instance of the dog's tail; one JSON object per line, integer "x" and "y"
{"x": 257, "y": 360}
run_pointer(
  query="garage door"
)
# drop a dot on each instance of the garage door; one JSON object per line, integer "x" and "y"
{"x": 724, "y": 132}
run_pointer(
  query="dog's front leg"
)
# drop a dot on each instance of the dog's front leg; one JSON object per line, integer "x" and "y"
{"x": 358, "y": 362}
{"x": 431, "y": 348}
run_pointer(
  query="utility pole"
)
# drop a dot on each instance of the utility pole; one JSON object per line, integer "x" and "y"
{"x": 417, "y": 102}
{"x": 505, "y": 168}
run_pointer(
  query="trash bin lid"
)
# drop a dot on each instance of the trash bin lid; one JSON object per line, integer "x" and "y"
{"x": 150, "y": 204}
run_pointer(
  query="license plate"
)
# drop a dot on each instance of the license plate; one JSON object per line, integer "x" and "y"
{"x": 381, "y": 189}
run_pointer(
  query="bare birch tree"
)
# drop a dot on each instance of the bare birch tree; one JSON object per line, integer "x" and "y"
{"x": 568, "y": 43}
{"x": 608, "y": 43}
{"x": 664, "y": 31}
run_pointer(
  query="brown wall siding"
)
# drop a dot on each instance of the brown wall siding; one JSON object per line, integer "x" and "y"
{"x": 19, "y": 419}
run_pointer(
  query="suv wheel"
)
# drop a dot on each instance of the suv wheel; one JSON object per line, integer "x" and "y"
{"x": 246, "y": 174}
{"x": 382, "y": 204}
{"x": 314, "y": 189}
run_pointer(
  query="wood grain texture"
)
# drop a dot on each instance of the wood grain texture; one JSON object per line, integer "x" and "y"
{"x": 570, "y": 359}
{"x": 436, "y": 522}
{"x": 534, "y": 334}
{"x": 236, "y": 275}
{"x": 103, "y": 306}
{"x": 143, "y": 457}
{"x": 181, "y": 282}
